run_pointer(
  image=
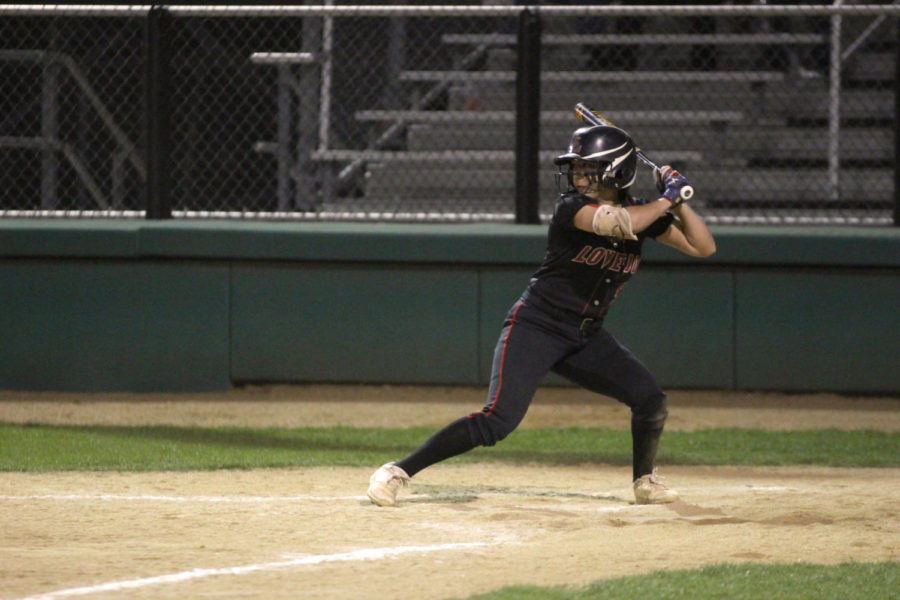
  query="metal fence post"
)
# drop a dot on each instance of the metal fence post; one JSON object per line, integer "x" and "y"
{"x": 49, "y": 132}
{"x": 897, "y": 131}
{"x": 158, "y": 106}
{"x": 283, "y": 137}
{"x": 834, "y": 110}
{"x": 528, "y": 116}
{"x": 312, "y": 111}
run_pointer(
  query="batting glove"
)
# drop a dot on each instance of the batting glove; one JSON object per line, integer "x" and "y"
{"x": 670, "y": 182}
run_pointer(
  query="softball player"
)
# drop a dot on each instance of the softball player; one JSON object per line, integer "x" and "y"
{"x": 593, "y": 248}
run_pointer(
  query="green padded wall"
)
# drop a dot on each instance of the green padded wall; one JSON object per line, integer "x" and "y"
{"x": 201, "y": 305}
{"x": 112, "y": 325}
{"x": 344, "y": 322}
{"x": 817, "y": 329}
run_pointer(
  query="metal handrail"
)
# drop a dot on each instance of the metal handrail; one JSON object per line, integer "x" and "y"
{"x": 130, "y": 150}
{"x": 41, "y": 143}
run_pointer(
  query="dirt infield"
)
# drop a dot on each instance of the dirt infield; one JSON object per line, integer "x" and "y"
{"x": 461, "y": 529}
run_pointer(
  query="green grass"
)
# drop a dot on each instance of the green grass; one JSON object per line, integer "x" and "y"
{"x": 58, "y": 448}
{"x": 850, "y": 581}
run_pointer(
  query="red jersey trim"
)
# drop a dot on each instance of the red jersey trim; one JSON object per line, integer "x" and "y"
{"x": 512, "y": 323}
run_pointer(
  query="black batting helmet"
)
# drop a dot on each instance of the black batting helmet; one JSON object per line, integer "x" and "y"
{"x": 610, "y": 148}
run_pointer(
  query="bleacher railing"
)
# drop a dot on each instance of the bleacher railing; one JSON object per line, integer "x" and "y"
{"x": 777, "y": 114}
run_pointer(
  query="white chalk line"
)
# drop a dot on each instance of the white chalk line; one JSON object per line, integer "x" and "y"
{"x": 357, "y": 555}
{"x": 158, "y": 498}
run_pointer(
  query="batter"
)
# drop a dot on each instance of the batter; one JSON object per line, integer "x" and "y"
{"x": 593, "y": 248}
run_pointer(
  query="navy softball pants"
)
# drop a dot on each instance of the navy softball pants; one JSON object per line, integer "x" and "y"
{"x": 532, "y": 343}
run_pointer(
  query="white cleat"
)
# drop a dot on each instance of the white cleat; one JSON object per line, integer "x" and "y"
{"x": 649, "y": 490}
{"x": 385, "y": 483}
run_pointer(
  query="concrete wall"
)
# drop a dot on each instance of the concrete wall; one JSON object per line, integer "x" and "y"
{"x": 197, "y": 305}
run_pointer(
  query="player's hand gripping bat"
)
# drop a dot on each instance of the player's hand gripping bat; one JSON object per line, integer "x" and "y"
{"x": 592, "y": 117}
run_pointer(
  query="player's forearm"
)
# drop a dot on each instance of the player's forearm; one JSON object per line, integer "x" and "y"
{"x": 695, "y": 230}
{"x": 643, "y": 215}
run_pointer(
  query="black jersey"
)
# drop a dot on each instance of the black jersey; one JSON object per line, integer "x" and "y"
{"x": 582, "y": 272}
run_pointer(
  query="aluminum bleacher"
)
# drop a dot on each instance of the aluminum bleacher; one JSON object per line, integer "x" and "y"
{"x": 748, "y": 138}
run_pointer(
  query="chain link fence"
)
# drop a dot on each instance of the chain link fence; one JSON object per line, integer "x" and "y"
{"x": 71, "y": 92}
{"x": 777, "y": 114}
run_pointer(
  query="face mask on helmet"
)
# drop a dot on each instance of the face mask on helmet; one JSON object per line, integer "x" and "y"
{"x": 603, "y": 174}
{"x": 608, "y": 150}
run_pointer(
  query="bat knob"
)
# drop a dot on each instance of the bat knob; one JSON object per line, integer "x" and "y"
{"x": 687, "y": 192}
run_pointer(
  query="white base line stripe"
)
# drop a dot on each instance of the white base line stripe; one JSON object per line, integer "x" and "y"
{"x": 154, "y": 498}
{"x": 357, "y": 555}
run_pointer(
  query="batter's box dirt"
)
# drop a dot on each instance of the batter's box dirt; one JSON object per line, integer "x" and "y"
{"x": 158, "y": 535}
